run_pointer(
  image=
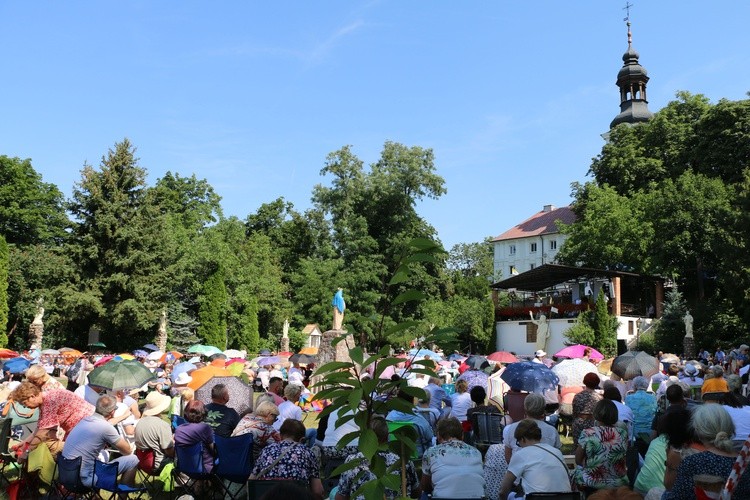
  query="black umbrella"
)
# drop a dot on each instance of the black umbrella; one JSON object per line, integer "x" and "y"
{"x": 303, "y": 359}
{"x": 633, "y": 364}
{"x": 476, "y": 362}
{"x": 240, "y": 394}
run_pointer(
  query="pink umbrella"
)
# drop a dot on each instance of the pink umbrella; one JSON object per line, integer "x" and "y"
{"x": 502, "y": 357}
{"x": 578, "y": 351}
{"x": 103, "y": 361}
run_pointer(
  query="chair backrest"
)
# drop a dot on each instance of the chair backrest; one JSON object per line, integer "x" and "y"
{"x": 69, "y": 474}
{"x": 190, "y": 459}
{"x": 5, "y": 428}
{"x": 449, "y": 389}
{"x": 514, "y": 405}
{"x": 177, "y": 421}
{"x": 234, "y": 457}
{"x": 106, "y": 475}
{"x": 488, "y": 427}
{"x": 146, "y": 460}
{"x": 570, "y": 495}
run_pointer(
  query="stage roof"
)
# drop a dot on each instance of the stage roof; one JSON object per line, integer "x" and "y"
{"x": 549, "y": 275}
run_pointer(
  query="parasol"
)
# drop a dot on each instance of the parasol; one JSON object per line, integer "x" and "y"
{"x": 265, "y": 352}
{"x": 103, "y": 360}
{"x": 502, "y": 357}
{"x": 421, "y": 353}
{"x": 578, "y": 351}
{"x": 312, "y": 351}
{"x": 456, "y": 357}
{"x": 16, "y": 365}
{"x": 268, "y": 360}
{"x": 476, "y": 362}
{"x": 7, "y": 353}
{"x": 240, "y": 394}
{"x": 155, "y": 356}
{"x": 140, "y": 353}
{"x": 181, "y": 367}
{"x": 474, "y": 378}
{"x": 234, "y": 354}
{"x": 151, "y": 347}
{"x": 530, "y": 377}
{"x": 633, "y": 364}
{"x": 51, "y": 352}
{"x": 571, "y": 371}
{"x": 302, "y": 359}
{"x": 115, "y": 375}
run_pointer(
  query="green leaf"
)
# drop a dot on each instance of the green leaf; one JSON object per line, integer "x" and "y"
{"x": 383, "y": 364}
{"x": 401, "y": 276}
{"x": 414, "y": 392}
{"x": 368, "y": 443}
{"x": 347, "y": 466}
{"x": 409, "y": 296}
{"x": 355, "y": 398}
{"x": 356, "y": 354}
{"x": 332, "y": 367}
{"x": 347, "y": 438}
{"x": 404, "y": 325}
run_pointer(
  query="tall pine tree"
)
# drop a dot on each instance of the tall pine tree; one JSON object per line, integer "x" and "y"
{"x": 3, "y": 291}
{"x": 212, "y": 313}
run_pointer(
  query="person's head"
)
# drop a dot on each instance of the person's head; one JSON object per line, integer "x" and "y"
{"x": 264, "y": 397}
{"x": 462, "y": 386}
{"x": 292, "y": 392}
{"x": 106, "y": 405}
{"x": 733, "y": 381}
{"x": 449, "y": 428}
{"x": 379, "y": 426}
{"x": 28, "y": 395}
{"x": 195, "y": 412}
{"x": 478, "y": 395}
{"x": 675, "y": 394}
{"x": 675, "y": 424}
{"x": 435, "y": 381}
{"x": 527, "y": 432}
{"x": 268, "y": 412}
{"x": 276, "y": 385}
{"x": 711, "y": 424}
{"x": 187, "y": 394}
{"x": 292, "y": 429}
{"x": 534, "y": 405}
{"x": 612, "y": 393}
{"x": 718, "y": 371}
{"x": 591, "y": 381}
{"x": 605, "y": 412}
{"x": 673, "y": 370}
{"x": 640, "y": 383}
{"x": 37, "y": 375}
{"x": 220, "y": 394}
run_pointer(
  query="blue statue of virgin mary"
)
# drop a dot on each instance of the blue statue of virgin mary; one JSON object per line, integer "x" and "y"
{"x": 339, "y": 306}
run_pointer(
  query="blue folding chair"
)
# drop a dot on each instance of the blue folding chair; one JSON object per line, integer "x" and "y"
{"x": 177, "y": 421}
{"x": 106, "y": 480}
{"x": 189, "y": 463}
{"x": 234, "y": 463}
{"x": 68, "y": 483}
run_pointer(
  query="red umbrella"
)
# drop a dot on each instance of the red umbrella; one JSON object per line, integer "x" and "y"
{"x": 285, "y": 353}
{"x": 502, "y": 357}
{"x": 7, "y": 353}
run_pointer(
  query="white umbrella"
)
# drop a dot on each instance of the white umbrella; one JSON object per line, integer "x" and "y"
{"x": 155, "y": 356}
{"x": 571, "y": 371}
{"x": 53, "y": 352}
{"x": 234, "y": 354}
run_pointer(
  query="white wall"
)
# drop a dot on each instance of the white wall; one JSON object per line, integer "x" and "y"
{"x": 511, "y": 335}
{"x": 523, "y": 258}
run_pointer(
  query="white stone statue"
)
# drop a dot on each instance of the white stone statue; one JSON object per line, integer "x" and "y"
{"x": 285, "y": 331}
{"x": 688, "y": 319}
{"x": 542, "y": 330}
{"x": 39, "y": 312}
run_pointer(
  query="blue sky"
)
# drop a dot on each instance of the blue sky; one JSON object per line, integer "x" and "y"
{"x": 511, "y": 96}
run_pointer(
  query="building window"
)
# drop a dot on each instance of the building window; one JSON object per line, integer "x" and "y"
{"x": 531, "y": 330}
{"x": 512, "y": 249}
{"x": 553, "y": 245}
{"x": 512, "y": 270}
{"x": 533, "y": 247}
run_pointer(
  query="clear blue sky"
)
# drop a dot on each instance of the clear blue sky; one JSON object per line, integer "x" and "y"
{"x": 511, "y": 96}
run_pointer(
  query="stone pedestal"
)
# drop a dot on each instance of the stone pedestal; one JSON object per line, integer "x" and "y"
{"x": 285, "y": 344}
{"x": 327, "y": 352}
{"x": 36, "y": 333}
{"x": 688, "y": 347}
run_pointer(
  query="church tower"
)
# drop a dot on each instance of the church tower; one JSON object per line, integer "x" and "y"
{"x": 632, "y": 80}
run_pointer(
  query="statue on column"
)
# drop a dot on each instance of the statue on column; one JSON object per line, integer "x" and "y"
{"x": 688, "y": 344}
{"x": 542, "y": 330}
{"x": 36, "y": 328}
{"x": 688, "y": 319}
{"x": 161, "y": 333}
{"x": 285, "y": 336}
{"x": 339, "y": 306}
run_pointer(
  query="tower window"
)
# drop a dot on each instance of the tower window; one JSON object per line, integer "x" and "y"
{"x": 553, "y": 245}
{"x": 512, "y": 249}
{"x": 533, "y": 247}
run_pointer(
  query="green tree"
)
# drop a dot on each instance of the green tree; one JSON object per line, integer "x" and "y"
{"x": 4, "y": 257}
{"x": 182, "y": 327}
{"x": 213, "y": 310}
{"x": 191, "y": 200}
{"x": 31, "y": 211}
{"x": 245, "y": 335}
{"x": 581, "y": 332}
{"x": 117, "y": 246}
{"x": 670, "y": 330}
{"x": 605, "y": 326}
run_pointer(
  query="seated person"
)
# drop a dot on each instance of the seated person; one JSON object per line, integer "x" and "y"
{"x": 289, "y": 409}
{"x": 92, "y": 435}
{"x": 538, "y": 466}
{"x": 351, "y": 480}
{"x": 221, "y": 417}
{"x": 195, "y": 430}
{"x": 600, "y": 455}
{"x": 153, "y": 432}
{"x": 452, "y": 468}
{"x": 260, "y": 424}
{"x": 424, "y": 430}
{"x": 290, "y": 459}
{"x": 534, "y": 406}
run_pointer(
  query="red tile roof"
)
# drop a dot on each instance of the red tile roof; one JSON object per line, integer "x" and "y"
{"x": 540, "y": 223}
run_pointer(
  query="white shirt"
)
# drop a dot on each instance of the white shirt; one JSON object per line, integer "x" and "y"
{"x": 287, "y": 409}
{"x": 539, "y": 469}
{"x": 334, "y": 434}
{"x": 460, "y": 404}
{"x": 295, "y": 376}
{"x": 741, "y": 419}
{"x": 550, "y": 435}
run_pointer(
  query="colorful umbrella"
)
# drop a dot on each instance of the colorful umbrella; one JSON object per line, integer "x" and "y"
{"x": 234, "y": 354}
{"x": 476, "y": 362}
{"x": 155, "y": 356}
{"x": 268, "y": 360}
{"x": 70, "y": 353}
{"x": 284, "y": 354}
{"x": 502, "y": 357}
{"x": 16, "y": 365}
{"x": 302, "y": 359}
{"x": 633, "y": 364}
{"x": 7, "y": 353}
{"x": 98, "y": 344}
{"x": 474, "y": 378}
{"x": 530, "y": 377}
{"x": 116, "y": 375}
{"x": 312, "y": 351}
{"x": 456, "y": 357}
{"x": 180, "y": 368}
{"x": 140, "y": 353}
{"x": 571, "y": 371}
{"x": 103, "y": 361}
{"x": 421, "y": 353}
{"x": 578, "y": 351}
{"x": 240, "y": 394}
{"x": 124, "y": 356}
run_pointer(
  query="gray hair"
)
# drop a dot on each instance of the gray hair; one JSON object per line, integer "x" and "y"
{"x": 718, "y": 371}
{"x": 105, "y": 405}
{"x": 534, "y": 405}
{"x": 712, "y": 424}
{"x": 734, "y": 382}
{"x": 265, "y": 408}
{"x": 263, "y": 398}
{"x": 640, "y": 383}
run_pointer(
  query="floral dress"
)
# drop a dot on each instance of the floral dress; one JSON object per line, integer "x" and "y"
{"x": 297, "y": 462}
{"x": 583, "y": 410}
{"x": 605, "y": 448}
{"x": 495, "y": 468}
{"x": 352, "y": 480}
{"x": 262, "y": 432}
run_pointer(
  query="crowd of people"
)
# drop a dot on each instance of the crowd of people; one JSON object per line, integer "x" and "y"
{"x": 655, "y": 437}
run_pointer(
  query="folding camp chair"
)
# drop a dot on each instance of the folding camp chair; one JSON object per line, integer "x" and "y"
{"x": 68, "y": 483}
{"x": 234, "y": 463}
{"x": 189, "y": 471}
{"x": 106, "y": 480}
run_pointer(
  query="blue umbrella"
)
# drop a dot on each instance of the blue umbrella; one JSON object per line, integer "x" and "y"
{"x": 476, "y": 362}
{"x": 265, "y": 352}
{"x": 180, "y": 368}
{"x": 530, "y": 377}
{"x": 269, "y": 360}
{"x": 475, "y": 378}
{"x": 140, "y": 353}
{"x": 456, "y": 357}
{"x": 16, "y": 365}
{"x": 421, "y": 353}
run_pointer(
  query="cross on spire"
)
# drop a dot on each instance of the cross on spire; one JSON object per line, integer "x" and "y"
{"x": 627, "y": 11}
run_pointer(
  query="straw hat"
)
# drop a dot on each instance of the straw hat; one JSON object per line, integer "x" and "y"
{"x": 156, "y": 403}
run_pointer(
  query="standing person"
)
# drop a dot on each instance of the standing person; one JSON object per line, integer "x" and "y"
{"x": 58, "y": 409}
{"x": 720, "y": 356}
{"x": 643, "y": 405}
{"x": 538, "y": 466}
{"x": 221, "y": 418}
{"x": 452, "y": 469}
{"x": 583, "y": 405}
{"x": 92, "y": 435}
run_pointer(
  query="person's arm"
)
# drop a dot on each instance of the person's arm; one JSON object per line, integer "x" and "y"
{"x": 316, "y": 488}
{"x": 580, "y": 456}
{"x": 507, "y": 485}
{"x": 426, "y": 483}
{"x": 116, "y": 420}
{"x": 123, "y": 447}
{"x": 508, "y": 453}
{"x": 135, "y": 410}
{"x": 672, "y": 463}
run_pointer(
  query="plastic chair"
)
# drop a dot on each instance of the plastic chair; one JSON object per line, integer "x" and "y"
{"x": 7, "y": 459}
{"x": 190, "y": 464}
{"x": 487, "y": 427}
{"x": 68, "y": 483}
{"x": 106, "y": 480}
{"x": 234, "y": 462}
